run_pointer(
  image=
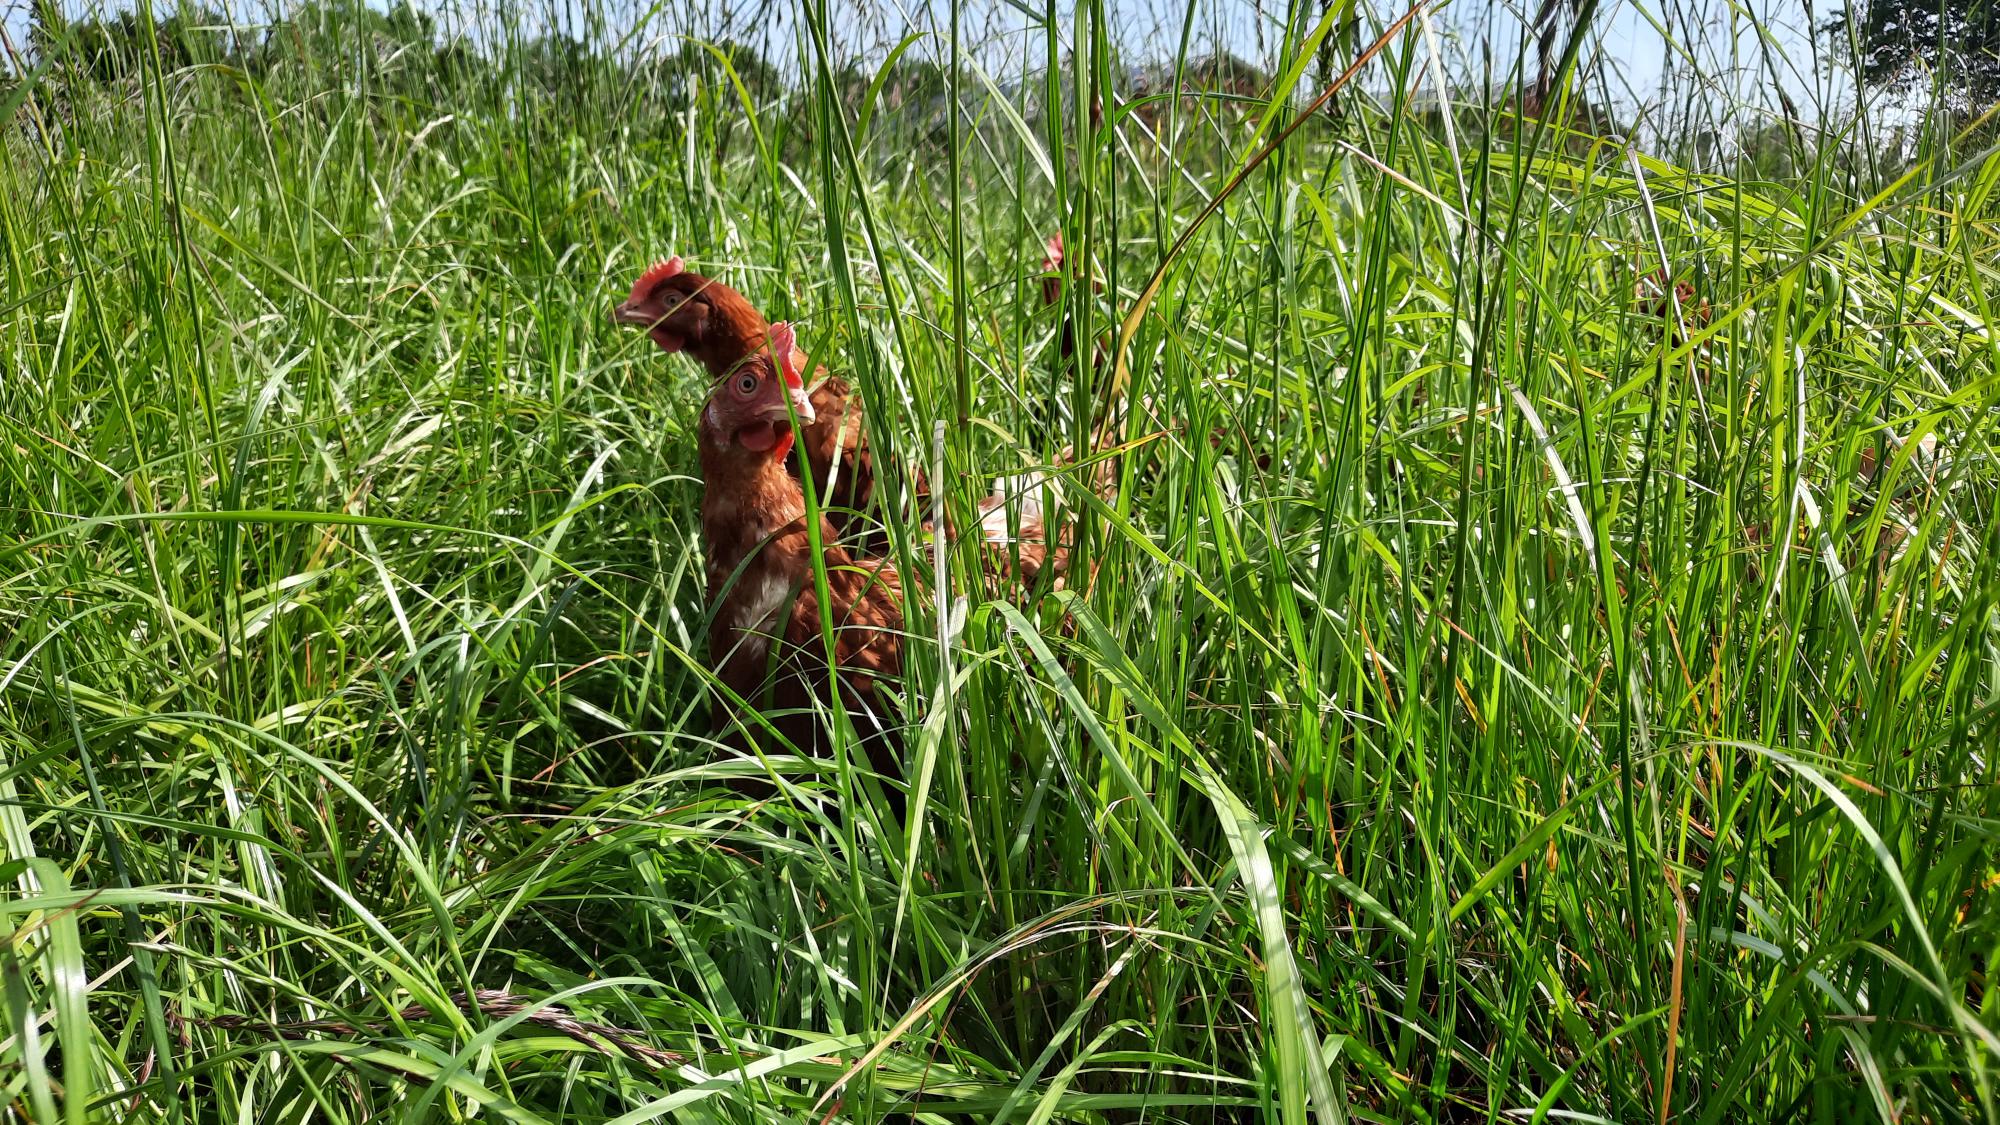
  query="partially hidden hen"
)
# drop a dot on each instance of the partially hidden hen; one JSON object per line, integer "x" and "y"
{"x": 1054, "y": 280}
{"x": 767, "y": 640}
{"x": 765, "y": 630}
{"x": 686, "y": 312}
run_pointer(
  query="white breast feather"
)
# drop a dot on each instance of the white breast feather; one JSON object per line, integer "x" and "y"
{"x": 1016, "y": 494}
{"x": 765, "y": 594}
{"x": 995, "y": 524}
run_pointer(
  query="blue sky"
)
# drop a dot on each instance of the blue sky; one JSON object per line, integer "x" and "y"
{"x": 1722, "y": 41}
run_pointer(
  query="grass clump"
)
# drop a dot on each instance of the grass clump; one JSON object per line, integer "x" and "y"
{"x": 1542, "y": 665}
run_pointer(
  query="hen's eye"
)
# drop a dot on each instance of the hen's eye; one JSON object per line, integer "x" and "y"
{"x": 746, "y": 384}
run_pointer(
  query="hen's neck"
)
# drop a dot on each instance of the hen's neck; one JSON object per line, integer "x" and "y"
{"x": 751, "y": 505}
{"x": 735, "y": 329}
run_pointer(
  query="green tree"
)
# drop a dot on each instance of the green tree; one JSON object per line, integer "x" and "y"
{"x": 109, "y": 48}
{"x": 692, "y": 67}
{"x": 346, "y": 33}
{"x": 1904, "y": 44}
{"x": 566, "y": 71}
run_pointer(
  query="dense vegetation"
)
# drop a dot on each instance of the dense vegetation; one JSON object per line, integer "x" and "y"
{"x": 1543, "y": 664}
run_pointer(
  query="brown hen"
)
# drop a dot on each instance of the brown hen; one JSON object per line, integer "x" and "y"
{"x": 686, "y": 312}
{"x": 718, "y": 326}
{"x": 765, "y": 628}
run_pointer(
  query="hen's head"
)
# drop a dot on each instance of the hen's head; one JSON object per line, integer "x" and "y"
{"x": 1055, "y": 275}
{"x": 1052, "y": 264}
{"x": 680, "y": 310}
{"x": 747, "y": 412}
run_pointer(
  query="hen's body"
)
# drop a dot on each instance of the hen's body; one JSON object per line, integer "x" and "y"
{"x": 765, "y": 630}
{"x": 720, "y": 328}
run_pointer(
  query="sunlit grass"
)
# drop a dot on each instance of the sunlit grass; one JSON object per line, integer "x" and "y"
{"x": 1506, "y": 695}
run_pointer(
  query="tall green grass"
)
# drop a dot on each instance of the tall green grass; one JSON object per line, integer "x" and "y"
{"x": 1496, "y": 702}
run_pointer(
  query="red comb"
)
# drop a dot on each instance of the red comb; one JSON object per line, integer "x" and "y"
{"x": 784, "y": 348}
{"x": 1055, "y": 257}
{"x": 659, "y": 272}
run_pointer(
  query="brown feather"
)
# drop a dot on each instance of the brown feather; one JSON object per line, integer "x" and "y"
{"x": 765, "y": 636}
{"x": 764, "y": 632}
{"x": 720, "y": 328}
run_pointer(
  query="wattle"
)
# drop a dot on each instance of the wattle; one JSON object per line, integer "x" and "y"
{"x": 767, "y": 437}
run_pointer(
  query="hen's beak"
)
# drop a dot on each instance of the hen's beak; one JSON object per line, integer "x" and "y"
{"x": 625, "y": 312}
{"x": 801, "y": 406}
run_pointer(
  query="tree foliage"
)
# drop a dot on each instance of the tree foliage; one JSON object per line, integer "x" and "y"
{"x": 109, "y": 47}
{"x": 1907, "y": 44}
